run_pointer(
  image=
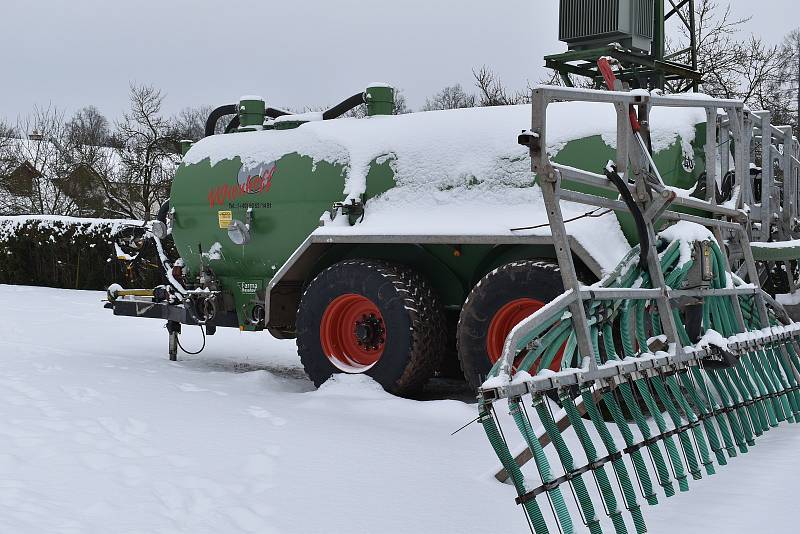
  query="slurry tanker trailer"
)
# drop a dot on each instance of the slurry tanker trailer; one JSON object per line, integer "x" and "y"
{"x": 597, "y": 257}
{"x": 389, "y": 243}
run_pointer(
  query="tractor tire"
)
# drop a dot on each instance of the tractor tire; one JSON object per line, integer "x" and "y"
{"x": 499, "y": 301}
{"x": 372, "y": 317}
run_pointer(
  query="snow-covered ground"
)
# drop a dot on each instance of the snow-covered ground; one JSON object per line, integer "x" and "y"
{"x": 100, "y": 433}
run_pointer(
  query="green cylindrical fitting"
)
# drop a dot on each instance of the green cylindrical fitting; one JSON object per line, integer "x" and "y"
{"x": 251, "y": 111}
{"x": 185, "y": 144}
{"x": 379, "y": 99}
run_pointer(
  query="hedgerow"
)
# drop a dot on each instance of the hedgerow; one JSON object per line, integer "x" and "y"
{"x": 70, "y": 253}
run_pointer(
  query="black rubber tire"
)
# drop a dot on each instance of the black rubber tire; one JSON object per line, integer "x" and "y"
{"x": 413, "y": 318}
{"x": 538, "y": 279}
{"x": 449, "y": 368}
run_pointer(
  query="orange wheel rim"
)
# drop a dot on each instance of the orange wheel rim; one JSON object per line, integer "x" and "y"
{"x": 352, "y": 333}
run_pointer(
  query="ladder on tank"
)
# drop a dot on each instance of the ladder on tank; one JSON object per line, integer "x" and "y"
{"x": 674, "y": 362}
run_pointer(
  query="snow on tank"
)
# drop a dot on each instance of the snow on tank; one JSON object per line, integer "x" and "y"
{"x": 456, "y": 171}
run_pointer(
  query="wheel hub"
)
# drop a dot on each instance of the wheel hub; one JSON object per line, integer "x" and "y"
{"x": 369, "y": 332}
{"x": 353, "y": 333}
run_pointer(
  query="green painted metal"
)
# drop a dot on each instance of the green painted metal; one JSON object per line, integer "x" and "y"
{"x": 297, "y": 190}
{"x": 777, "y": 251}
{"x": 379, "y": 99}
{"x": 185, "y": 145}
{"x": 251, "y": 113}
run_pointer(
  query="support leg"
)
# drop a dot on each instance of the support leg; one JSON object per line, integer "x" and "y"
{"x": 174, "y": 328}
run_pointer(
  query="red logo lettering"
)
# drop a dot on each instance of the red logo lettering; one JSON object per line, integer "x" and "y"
{"x": 255, "y": 184}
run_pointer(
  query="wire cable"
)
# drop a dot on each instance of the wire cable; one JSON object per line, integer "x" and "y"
{"x": 592, "y": 213}
{"x": 203, "y": 346}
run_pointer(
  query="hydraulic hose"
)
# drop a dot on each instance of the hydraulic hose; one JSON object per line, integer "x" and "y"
{"x": 216, "y": 115}
{"x": 232, "y": 109}
{"x": 641, "y": 227}
{"x": 343, "y": 107}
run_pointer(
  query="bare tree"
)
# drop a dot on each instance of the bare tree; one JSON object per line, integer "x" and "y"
{"x": 400, "y": 104}
{"x": 38, "y": 158}
{"x": 190, "y": 123}
{"x": 785, "y": 91}
{"x": 719, "y": 55}
{"x": 92, "y": 159}
{"x": 8, "y": 138}
{"x": 147, "y": 158}
{"x": 88, "y": 127}
{"x": 576, "y": 81}
{"x": 8, "y": 197}
{"x": 492, "y": 92}
{"x": 730, "y": 67}
{"x": 451, "y": 97}
{"x": 51, "y": 166}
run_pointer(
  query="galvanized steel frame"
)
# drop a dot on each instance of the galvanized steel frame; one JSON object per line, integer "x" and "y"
{"x": 733, "y": 223}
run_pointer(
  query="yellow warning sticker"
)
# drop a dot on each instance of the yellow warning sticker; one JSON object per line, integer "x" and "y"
{"x": 225, "y": 218}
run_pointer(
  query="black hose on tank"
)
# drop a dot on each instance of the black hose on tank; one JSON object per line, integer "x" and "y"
{"x": 232, "y": 109}
{"x": 274, "y": 113}
{"x": 638, "y": 218}
{"x": 343, "y": 107}
{"x": 216, "y": 115}
{"x": 233, "y": 124}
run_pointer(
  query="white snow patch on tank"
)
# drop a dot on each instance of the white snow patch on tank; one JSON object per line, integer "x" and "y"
{"x": 214, "y": 252}
{"x": 457, "y": 172}
{"x": 439, "y": 147}
{"x": 307, "y": 117}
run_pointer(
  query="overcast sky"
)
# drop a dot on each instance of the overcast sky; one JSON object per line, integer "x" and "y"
{"x": 73, "y": 53}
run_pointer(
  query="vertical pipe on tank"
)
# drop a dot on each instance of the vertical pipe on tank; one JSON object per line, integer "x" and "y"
{"x": 379, "y": 99}
{"x": 252, "y": 111}
{"x": 185, "y": 145}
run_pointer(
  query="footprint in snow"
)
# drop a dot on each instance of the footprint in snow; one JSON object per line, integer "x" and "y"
{"x": 258, "y": 411}
{"x": 193, "y": 388}
{"x": 261, "y": 413}
{"x": 81, "y": 394}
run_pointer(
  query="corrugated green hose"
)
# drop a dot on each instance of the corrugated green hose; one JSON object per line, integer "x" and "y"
{"x": 744, "y": 400}
{"x": 624, "y": 428}
{"x": 601, "y": 477}
{"x": 628, "y": 494}
{"x": 568, "y": 463}
{"x": 501, "y": 450}
{"x": 543, "y": 465}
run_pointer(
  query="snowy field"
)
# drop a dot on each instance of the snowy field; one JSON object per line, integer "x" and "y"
{"x": 100, "y": 433}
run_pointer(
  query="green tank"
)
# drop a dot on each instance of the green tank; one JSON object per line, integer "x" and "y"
{"x": 315, "y": 227}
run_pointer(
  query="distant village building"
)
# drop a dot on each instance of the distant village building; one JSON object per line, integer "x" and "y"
{"x": 38, "y": 175}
